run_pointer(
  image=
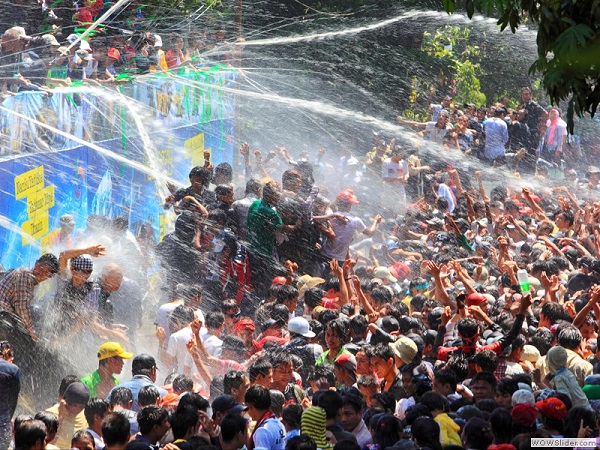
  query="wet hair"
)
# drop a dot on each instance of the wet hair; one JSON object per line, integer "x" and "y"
{"x": 417, "y": 302}
{"x": 331, "y": 402}
{"x": 381, "y": 295}
{"x": 232, "y": 379}
{"x": 182, "y": 383}
{"x": 259, "y": 397}
{"x": 120, "y": 396}
{"x": 467, "y": 327}
{"x": 150, "y": 416}
{"x": 277, "y": 401}
{"x": 359, "y": 324}
{"x": 486, "y": 359}
{"x": 292, "y": 416}
{"x": 322, "y": 374}
{"x": 50, "y": 261}
{"x": 148, "y": 395}
{"x": 95, "y": 407}
{"x": 214, "y": 319}
{"x": 446, "y": 376}
{"x": 49, "y": 419}
{"x": 261, "y": 366}
{"x": 225, "y": 170}
{"x": 339, "y": 328}
{"x": 459, "y": 365}
{"x": 194, "y": 400}
{"x": 382, "y": 351}
{"x": 313, "y": 297}
{"x": 223, "y": 189}
{"x": 65, "y": 383}
{"x": 570, "y": 338}
{"x": 386, "y": 400}
{"x": 182, "y": 314}
{"x": 253, "y": 186}
{"x": 231, "y": 425}
{"x": 542, "y": 340}
{"x": 182, "y": 420}
{"x": 115, "y": 428}
{"x": 280, "y": 314}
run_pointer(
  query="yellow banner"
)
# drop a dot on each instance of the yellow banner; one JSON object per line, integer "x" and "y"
{"x": 41, "y": 200}
{"x": 36, "y": 227}
{"x": 28, "y": 182}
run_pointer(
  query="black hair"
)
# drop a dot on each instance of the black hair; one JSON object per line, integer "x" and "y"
{"x": 321, "y": 375}
{"x": 148, "y": 395}
{"x": 232, "y": 379}
{"x": 194, "y": 400}
{"x": 331, "y": 402}
{"x": 120, "y": 396}
{"x": 49, "y": 419}
{"x": 50, "y": 261}
{"x": 501, "y": 425}
{"x": 488, "y": 377}
{"x": 570, "y": 338}
{"x": 183, "y": 314}
{"x": 280, "y": 314}
{"x": 82, "y": 435}
{"x": 339, "y": 328}
{"x": 292, "y": 416}
{"x": 507, "y": 386}
{"x": 381, "y": 295}
{"x": 446, "y": 376}
{"x": 467, "y": 327}
{"x": 29, "y": 433}
{"x": 382, "y": 351}
{"x": 355, "y": 401}
{"x": 277, "y": 401}
{"x": 204, "y": 173}
{"x": 182, "y": 383}
{"x": 478, "y": 434}
{"x": 417, "y": 302}
{"x": 574, "y": 418}
{"x": 150, "y": 416}
{"x": 253, "y": 186}
{"x": 301, "y": 442}
{"x": 259, "y": 397}
{"x": 214, "y": 319}
{"x": 231, "y": 425}
{"x": 65, "y": 383}
{"x": 459, "y": 365}
{"x": 346, "y": 444}
{"x": 261, "y": 366}
{"x": 223, "y": 189}
{"x": 95, "y": 407}
{"x": 224, "y": 169}
{"x": 386, "y": 400}
{"x": 182, "y": 420}
{"x": 115, "y": 428}
{"x": 313, "y": 297}
{"x": 542, "y": 339}
{"x": 486, "y": 359}
{"x": 434, "y": 401}
{"x": 426, "y": 432}
{"x": 387, "y": 431}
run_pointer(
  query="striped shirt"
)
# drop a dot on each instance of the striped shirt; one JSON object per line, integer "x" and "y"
{"x": 16, "y": 294}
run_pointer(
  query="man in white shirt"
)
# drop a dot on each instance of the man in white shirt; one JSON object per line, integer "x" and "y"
{"x": 215, "y": 324}
{"x": 394, "y": 173}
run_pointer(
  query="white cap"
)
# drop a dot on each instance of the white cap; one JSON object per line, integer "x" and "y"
{"x": 84, "y": 45}
{"x": 299, "y": 325}
{"x": 157, "y": 41}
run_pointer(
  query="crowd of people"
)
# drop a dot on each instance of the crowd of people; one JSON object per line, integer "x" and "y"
{"x": 413, "y": 309}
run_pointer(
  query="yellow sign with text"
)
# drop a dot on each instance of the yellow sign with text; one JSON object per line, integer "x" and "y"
{"x": 195, "y": 148}
{"x": 29, "y": 182}
{"x": 36, "y": 227}
{"x": 40, "y": 201}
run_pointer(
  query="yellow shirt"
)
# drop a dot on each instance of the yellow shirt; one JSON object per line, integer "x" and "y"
{"x": 68, "y": 428}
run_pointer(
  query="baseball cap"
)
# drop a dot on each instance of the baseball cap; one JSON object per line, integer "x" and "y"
{"x": 50, "y": 39}
{"x": 385, "y": 274}
{"x": 111, "y": 349}
{"x": 399, "y": 270}
{"x": 522, "y": 396}
{"x": 77, "y": 393}
{"x": 113, "y": 53}
{"x": 347, "y": 361}
{"x": 83, "y": 263}
{"x": 299, "y": 325}
{"x": 404, "y": 348}
{"x": 476, "y": 299}
{"x": 227, "y": 403}
{"x": 157, "y": 41}
{"x": 524, "y": 414}
{"x": 279, "y": 280}
{"x": 347, "y": 196}
{"x": 553, "y": 408}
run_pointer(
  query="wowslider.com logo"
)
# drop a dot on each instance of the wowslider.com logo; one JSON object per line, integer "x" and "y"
{"x": 563, "y": 442}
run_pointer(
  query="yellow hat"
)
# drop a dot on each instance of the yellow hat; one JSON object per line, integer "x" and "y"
{"x": 111, "y": 349}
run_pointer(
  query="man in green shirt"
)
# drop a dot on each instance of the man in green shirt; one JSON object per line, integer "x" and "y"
{"x": 110, "y": 363}
{"x": 263, "y": 223}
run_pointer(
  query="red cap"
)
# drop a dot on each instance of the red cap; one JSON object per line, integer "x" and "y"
{"x": 399, "y": 270}
{"x": 279, "y": 280}
{"x": 244, "y": 324}
{"x": 526, "y": 210}
{"x": 476, "y": 299}
{"x": 114, "y": 53}
{"x": 553, "y": 408}
{"x": 347, "y": 196}
{"x": 83, "y": 15}
{"x": 524, "y": 414}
